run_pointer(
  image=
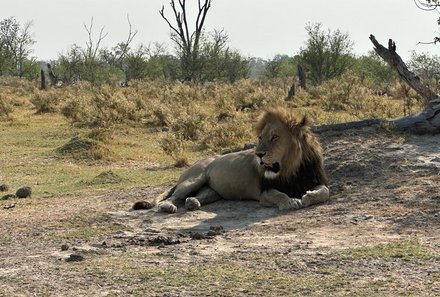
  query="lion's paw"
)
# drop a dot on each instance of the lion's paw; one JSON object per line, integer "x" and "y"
{"x": 316, "y": 196}
{"x": 192, "y": 203}
{"x": 290, "y": 204}
{"x": 308, "y": 197}
{"x": 167, "y": 207}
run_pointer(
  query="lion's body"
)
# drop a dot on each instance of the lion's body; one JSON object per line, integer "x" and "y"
{"x": 286, "y": 170}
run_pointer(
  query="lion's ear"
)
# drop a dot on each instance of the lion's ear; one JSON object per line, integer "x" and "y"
{"x": 304, "y": 122}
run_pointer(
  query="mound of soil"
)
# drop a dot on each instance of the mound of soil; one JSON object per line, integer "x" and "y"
{"x": 106, "y": 177}
{"x": 83, "y": 148}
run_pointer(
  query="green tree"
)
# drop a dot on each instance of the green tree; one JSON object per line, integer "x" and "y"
{"x": 280, "y": 66}
{"x": 16, "y": 43}
{"x": 327, "y": 54}
{"x": 373, "y": 71}
{"x": 426, "y": 67}
{"x": 219, "y": 62}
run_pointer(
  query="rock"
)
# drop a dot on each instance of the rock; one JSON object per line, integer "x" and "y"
{"x": 74, "y": 258}
{"x": 8, "y": 196}
{"x": 64, "y": 247}
{"x": 3, "y": 188}
{"x": 10, "y": 205}
{"x": 24, "y": 192}
{"x": 215, "y": 230}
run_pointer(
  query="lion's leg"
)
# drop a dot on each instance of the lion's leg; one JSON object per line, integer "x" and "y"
{"x": 205, "y": 196}
{"x": 145, "y": 204}
{"x": 318, "y": 195}
{"x": 282, "y": 201}
{"x": 182, "y": 191}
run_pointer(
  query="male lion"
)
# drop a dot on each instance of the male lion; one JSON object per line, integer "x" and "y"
{"x": 285, "y": 170}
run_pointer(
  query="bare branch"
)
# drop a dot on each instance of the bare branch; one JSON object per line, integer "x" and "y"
{"x": 392, "y": 58}
{"x": 179, "y": 32}
{"x": 127, "y": 43}
{"x": 91, "y": 47}
{"x": 427, "y": 6}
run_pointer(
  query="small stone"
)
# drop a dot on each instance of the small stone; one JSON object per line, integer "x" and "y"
{"x": 8, "y": 196}
{"x": 74, "y": 258}
{"x": 64, "y": 247}
{"x": 24, "y": 192}
{"x": 3, "y": 188}
{"x": 10, "y": 205}
{"x": 198, "y": 236}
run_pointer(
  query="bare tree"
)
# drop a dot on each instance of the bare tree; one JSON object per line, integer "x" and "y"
{"x": 92, "y": 47}
{"x": 188, "y": 44}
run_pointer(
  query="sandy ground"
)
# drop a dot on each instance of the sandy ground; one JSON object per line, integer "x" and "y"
{"x": 385, "y": 190}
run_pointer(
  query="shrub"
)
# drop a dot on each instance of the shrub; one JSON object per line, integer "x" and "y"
{"x": 173, "y": 145}
{"x": 45, "y": 101}
{"x": 5, "y": 108}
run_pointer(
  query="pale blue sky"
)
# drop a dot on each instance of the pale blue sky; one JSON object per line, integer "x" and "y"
{"x": 259, "y": 28}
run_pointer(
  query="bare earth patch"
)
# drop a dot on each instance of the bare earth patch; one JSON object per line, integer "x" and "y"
{"x": 378, "y": 236}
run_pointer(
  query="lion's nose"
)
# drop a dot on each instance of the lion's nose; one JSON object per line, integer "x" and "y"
{"x": 260, "y": 154}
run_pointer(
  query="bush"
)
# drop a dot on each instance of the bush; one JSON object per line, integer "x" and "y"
{"x": 5, "y": 108}
{"x": 45, "y": 101}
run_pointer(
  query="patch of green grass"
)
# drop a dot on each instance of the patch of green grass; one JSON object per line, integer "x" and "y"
{"x": 229, "y": 279}
{"x": 27, "y": 156}
{"x": 84, "y": 232}
{"x": 406, "y": 250}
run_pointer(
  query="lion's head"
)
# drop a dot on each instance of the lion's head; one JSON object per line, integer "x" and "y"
{"x": 284, "y": 142}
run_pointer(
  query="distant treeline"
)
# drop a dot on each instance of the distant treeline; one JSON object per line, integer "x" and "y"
{"x": 325, "y": 55}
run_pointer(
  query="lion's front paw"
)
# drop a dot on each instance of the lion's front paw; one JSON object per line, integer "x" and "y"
{"x": 292, "y": 203}
{"x": 308, "y": 198}
{"x": 316, "y": 196}
{"x": 167, "y": 207}
{"x": 192, "y": 203}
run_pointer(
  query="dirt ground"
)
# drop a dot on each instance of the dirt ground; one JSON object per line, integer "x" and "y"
{"x": 378, "y": 236}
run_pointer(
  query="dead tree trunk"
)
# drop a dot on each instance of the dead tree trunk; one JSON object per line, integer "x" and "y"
{"x": 42, "y": 80}
{"x": 301, "y": 77}
{"x": 291, "y": 92}
{"x": 52, "y": 76}
{"x": 426, "y": 121}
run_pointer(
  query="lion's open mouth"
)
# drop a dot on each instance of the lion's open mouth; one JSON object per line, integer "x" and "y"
{"x": 275, "y": 167}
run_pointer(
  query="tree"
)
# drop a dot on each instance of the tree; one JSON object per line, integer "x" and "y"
{"x": 218, "y": 61}
{"x": 373, "y": 71}
{"x": 188, "y": 44}
{"x": 427, "y": 67}
{"x": 280, "y": 66}
{"x": 15, "y": 46}
{"x": 326, "y": 54}
{"x": 92, "y": 62}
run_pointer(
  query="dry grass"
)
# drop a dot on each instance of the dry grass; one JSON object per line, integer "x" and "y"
{"x": 153, "y": 125}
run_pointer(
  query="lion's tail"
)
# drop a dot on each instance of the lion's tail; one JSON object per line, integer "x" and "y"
{"x": 143, "y": 204}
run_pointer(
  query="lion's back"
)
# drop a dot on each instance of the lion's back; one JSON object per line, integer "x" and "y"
{"x": 235, "y": 176}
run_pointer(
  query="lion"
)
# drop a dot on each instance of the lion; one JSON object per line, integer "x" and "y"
{"x": 284, "y": 170}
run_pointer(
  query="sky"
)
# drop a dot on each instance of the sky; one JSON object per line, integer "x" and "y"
{"x": 256, "y": 28}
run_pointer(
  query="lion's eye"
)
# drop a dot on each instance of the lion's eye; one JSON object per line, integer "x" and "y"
{"x": 274, "y": 138}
